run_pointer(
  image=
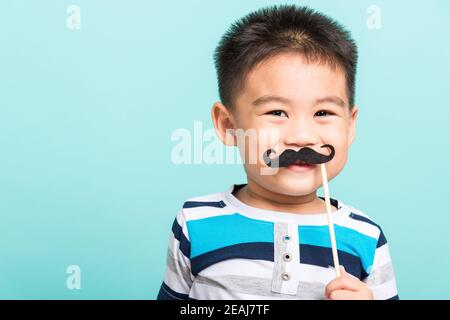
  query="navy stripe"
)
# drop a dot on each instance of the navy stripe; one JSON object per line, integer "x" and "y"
{"x": 195, "y": 204}
{"x": 176, "y": 229}
{"x": 333, "y": 202}
{"x": 323, "y": 257}
{"x": 249, "y": 250}
{"x": 362, "y": 218}
{"x": 166, "y": 293}
{"x": 381, "y": 239}
{"x": 309, "y": 254}
{"x": 394, "y": 298}
{"x": 185, "y": 244}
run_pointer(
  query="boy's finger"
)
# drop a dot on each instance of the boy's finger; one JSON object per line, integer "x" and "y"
{"x": 344, "y": 295}
{"x": 344, "y": 282}
{"x": 344, "y": 272}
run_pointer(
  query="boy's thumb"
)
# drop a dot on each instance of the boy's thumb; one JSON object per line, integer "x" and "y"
{"x": 342, "y": 269}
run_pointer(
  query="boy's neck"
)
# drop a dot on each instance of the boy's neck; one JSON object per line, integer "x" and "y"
{"x": 254, "y": 195}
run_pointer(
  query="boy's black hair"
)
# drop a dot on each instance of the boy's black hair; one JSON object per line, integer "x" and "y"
{"x": 282, "y": 29}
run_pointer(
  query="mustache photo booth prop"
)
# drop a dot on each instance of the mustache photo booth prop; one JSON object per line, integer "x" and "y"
{"x": 305, "y": 155}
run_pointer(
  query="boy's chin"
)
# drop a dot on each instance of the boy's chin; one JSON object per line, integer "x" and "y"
{"x": 296, "y": 187}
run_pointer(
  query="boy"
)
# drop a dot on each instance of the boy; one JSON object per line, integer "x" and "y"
{"x": 291, "y": 71}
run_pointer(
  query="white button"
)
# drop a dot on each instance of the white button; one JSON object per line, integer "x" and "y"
{"x": 287, "y": 238}
{"x": 286, "y": 276}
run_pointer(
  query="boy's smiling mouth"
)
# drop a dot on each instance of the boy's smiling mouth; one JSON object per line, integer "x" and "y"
{"x": 301, "y": 166}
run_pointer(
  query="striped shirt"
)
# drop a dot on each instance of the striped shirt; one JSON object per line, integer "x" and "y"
{"x": 221, "y": 248}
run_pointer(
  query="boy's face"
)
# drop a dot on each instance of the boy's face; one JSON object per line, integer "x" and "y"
{"x": 311, "y": 110}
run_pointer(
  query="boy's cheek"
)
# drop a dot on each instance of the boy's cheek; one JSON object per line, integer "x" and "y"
{"x": 336, "y": 164}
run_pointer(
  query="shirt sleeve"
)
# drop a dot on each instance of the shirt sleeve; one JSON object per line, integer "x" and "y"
{"x": 178, "y": 277}
{"x": 381, "y": 279}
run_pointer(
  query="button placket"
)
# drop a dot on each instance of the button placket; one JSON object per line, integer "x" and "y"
{"x": 278, "y": 276}
{"x": 292, "y": 260}
{"x": 286, "y": 259}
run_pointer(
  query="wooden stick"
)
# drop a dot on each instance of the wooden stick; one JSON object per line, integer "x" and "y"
{"x": 330, "y": 220}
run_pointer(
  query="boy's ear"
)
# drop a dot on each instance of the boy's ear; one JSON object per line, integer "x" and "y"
{"x": 352, "y": 131}
{"x": 223, "y": 123}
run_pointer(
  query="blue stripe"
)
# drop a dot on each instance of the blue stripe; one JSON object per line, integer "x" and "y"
{"x": 226, "y": 230}
{"x": 195, "y": 204}
{"x": 255, "y": 251}
{"x": 381, "y": 239}
{"x": 323, "y": 257}
{"x": 185, "y": 245}
{"x": 166, "y": 293}
{"x": 347, "y": 240}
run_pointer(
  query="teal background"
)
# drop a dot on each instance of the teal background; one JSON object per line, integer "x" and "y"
{"x": 86, "y": 117}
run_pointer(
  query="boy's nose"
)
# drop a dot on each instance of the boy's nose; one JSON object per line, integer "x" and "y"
{"x": 301, "y": 134}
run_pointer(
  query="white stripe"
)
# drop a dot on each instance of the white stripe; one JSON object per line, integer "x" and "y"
{"x": 310, "y": 273}
{"x": 174, "y": 246}
{"x": 240, "y": 267}
{"x": 382, "y": 256}
{"x": 385, "y": 291}
{"x": 207, "y": 212}
{"x": 204, "y": 292}
{"x": 264, "y": 269}
{"x": 218, "y": 196}
{"x": 176, "y": 282}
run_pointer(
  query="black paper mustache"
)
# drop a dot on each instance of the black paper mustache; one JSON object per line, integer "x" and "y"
{"x": 305, "y": 154}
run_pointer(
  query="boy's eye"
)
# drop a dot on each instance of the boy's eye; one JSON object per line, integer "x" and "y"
{"x": 323, "y": 113}
{"x": 278, "y": 113}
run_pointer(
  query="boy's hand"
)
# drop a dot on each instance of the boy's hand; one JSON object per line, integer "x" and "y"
{"x": 347, "y": 287}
